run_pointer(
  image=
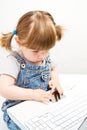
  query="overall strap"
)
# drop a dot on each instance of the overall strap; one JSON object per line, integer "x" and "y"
{"x": 48, "y": 60}
{"x": 19, "y": 58}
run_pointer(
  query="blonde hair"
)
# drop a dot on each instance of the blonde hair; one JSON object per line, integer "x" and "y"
{"x": 36, "y": 30}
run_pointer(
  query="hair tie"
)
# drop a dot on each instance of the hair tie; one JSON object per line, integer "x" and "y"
{"x": 14, "y": 32}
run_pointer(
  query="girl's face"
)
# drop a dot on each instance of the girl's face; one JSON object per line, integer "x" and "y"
{"x": 34, "y": 56}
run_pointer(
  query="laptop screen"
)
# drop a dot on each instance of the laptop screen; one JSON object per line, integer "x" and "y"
{"x": 83, "y": 126}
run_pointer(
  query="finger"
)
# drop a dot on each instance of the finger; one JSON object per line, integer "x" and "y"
{"x": 45, "y": 99}
{"x": 60, "y": 91}
{"x": 50, "y": 85}
{"x": 49, "y": 95}
{"x": 55, "y": 95}
{"x": 52, "y": 90}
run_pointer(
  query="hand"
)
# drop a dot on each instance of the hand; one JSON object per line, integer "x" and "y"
{"x": 54, "y": 82}
{"x": 56, "y": 89}
{"x": 41, "y": 95}
{"x": 55, "y": 85}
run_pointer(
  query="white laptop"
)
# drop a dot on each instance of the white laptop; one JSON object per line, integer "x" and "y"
{"x": 66, "y": 114}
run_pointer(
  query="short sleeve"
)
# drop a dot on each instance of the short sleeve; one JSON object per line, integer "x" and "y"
{"x": 9, "y": 65}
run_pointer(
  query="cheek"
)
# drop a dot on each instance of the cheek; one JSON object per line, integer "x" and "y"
{"x": 32, "y": 57}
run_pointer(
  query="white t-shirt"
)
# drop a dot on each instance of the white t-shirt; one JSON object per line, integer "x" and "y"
{"x": 8, "y": 64}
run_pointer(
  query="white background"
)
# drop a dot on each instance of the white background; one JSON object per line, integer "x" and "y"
{"x": 71, "y": 52}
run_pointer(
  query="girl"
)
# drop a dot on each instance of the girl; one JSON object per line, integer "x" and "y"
{"x": 29, "y": 73}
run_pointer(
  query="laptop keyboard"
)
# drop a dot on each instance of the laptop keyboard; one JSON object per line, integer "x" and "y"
{"x": 63, "y": 116}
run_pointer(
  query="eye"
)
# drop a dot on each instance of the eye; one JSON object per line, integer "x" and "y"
{"x": 35, "y": 51}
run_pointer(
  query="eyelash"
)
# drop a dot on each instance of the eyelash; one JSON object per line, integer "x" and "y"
{"x": 35, "y": 51}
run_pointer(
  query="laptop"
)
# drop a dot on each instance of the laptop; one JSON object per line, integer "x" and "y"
{"x": 68, "y": 113}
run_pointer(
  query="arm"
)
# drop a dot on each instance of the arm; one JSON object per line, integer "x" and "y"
{"x": 9, "y": 90}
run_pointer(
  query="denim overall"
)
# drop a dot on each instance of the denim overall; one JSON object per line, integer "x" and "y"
{"x": 30, "y": 76}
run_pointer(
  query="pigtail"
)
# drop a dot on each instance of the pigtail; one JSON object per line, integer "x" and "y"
{"x": 59, "y": 29}
{"x": 5, "y": 40}
{"x": 59, "y": 32}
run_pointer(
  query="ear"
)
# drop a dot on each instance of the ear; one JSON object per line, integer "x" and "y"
{"x": 17, "y": 40}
